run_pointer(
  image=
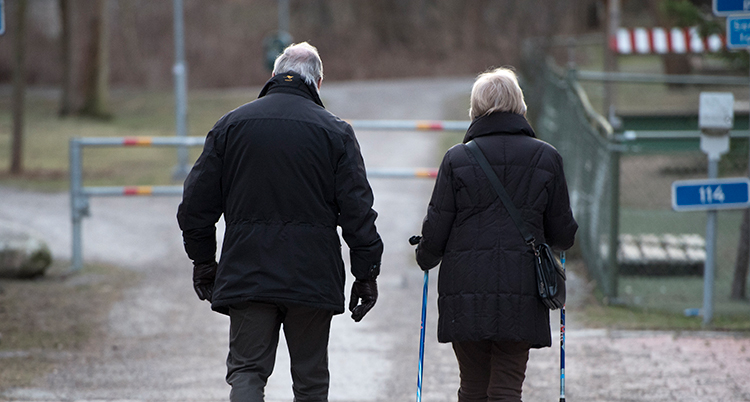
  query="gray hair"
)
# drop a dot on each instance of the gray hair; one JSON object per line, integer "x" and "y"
{"x": 303, "y": 59}
{"x": 496, "y": 91}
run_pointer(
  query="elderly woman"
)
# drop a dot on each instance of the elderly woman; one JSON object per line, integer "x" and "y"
{"x": 489, "y": 307}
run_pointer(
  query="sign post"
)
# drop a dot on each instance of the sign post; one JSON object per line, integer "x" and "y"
{"x": 715, "y": 119}
{"x": 2, "y": 17}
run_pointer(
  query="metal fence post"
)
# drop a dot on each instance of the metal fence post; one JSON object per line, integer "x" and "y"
{"x": 283, "y": 15}
{"x": 78, "y": 203}
{"x": 614, "y": 220}
{"x": 180, "y": 89}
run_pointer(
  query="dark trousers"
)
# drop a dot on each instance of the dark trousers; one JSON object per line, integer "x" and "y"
{"x": 253, "y": 338}
{"x": 491, "y": 371}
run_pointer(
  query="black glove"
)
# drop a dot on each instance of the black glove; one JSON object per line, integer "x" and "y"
{"x": 368, "y": 292}
{"x": 425, "y": 259}
{"x": 203, "y": 279}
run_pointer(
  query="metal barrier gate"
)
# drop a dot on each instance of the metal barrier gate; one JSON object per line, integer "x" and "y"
{"x": 79, "y": 194}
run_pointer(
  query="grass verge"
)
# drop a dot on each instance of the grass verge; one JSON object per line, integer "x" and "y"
{"x": 42, "y": 320}
{"x": 664, "y": 312}
{"x": 136, "y": 113}
{"x": 637, "y": 318}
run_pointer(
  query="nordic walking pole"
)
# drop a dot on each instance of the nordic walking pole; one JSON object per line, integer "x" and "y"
{"x": 413, "y": 241}
{"x": 562, "y": 341}
{"x": 421, "y": 336}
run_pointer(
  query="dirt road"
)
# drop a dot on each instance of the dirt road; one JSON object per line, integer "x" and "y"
{"x": 163, "y": 344}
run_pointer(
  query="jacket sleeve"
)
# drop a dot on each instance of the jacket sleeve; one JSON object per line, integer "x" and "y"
{"x": 356, "y": 217}
{"x": 201, "y": 205}
{"x": 441, "y": 212}
{"x": 559, "y": 225}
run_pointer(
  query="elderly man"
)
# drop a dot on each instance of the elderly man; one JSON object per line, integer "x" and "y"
{"x": 285, "y": 173}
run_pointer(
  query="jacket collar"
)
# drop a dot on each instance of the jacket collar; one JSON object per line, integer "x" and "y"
{"x": 291, "y": 83}
{"x": 499, "y": 123}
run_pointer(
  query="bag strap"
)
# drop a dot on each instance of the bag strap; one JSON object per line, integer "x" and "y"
{"x": 502, "y": 194}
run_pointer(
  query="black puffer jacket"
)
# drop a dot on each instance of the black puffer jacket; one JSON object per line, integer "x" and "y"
{"x": 285, "y": 173}
{"x": 486, "y": 284}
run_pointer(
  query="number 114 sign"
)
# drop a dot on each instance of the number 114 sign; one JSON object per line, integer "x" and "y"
{"x": 700, "y": 195}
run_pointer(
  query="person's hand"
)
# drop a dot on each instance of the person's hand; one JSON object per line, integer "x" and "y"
{"x": 367, "y": 292}
{"x": 425, "y": 259}
{"x": 203, "y": 279}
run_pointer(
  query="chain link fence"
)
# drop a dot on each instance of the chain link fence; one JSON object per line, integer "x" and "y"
{"x": 621, "y": 196}
{"x": 584, "y": 139}
{"x": 662, "y": 252}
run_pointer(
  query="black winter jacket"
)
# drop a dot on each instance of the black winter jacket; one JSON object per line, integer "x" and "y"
{"x": 285, "y": 173}
{"x": 486, "y": 284}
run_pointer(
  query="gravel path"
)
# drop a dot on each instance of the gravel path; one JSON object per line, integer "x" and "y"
{"x": 163, "y": 344}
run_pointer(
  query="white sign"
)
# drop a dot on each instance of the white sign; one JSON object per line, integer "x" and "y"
{"x": 716, "y": 111}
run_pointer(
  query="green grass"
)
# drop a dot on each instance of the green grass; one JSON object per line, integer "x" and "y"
{"x": 639, "y": 318}
{"x": 46, "y": 137}
{"x": 674, "y": 294}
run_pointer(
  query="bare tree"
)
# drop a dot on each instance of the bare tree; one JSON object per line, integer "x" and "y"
{"x": 96, "y": 78}
{"x": 739, "y": 287}
{"x": 66, "y": 49}
{"x": 19, "y": 89}
{"x": 673, "y": 63}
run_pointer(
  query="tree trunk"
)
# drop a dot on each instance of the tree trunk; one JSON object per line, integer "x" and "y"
{"x": 19, "y": 89}
{"x": 97, "y": 66}
{"x": 739, "y": 281}
{"x": 611, "y": 64}
{"x": 66, "y": 101}
{"x": 673, "y": 63}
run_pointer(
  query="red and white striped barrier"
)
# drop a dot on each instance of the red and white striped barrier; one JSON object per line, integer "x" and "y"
{"x": 663, "y": 41}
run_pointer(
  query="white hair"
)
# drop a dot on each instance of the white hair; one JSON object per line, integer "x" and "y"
{"x": 303, "y": 59}
{"x": 496, "y": 91}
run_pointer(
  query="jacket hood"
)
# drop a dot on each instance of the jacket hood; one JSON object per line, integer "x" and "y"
{"x": 291, "y": 83}
{"x": 499, "y": 123}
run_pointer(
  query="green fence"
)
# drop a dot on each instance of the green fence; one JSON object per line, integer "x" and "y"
{"x": 648, "y": 167}
{"x": 585, "y": 141}
{"x": 620, "y": 190}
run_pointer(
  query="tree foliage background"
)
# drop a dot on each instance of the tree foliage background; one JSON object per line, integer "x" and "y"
{"x": 357, "y": 39}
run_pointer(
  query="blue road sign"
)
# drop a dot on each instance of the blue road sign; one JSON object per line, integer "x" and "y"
{"x": 701, "y": 195}
{"x": 724, "y": 8}
{"x": 738, "y": 31}
{"x": 2, "y": 17}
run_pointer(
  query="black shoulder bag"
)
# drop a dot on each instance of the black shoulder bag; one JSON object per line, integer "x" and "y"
{"x": 550, "y": 276}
